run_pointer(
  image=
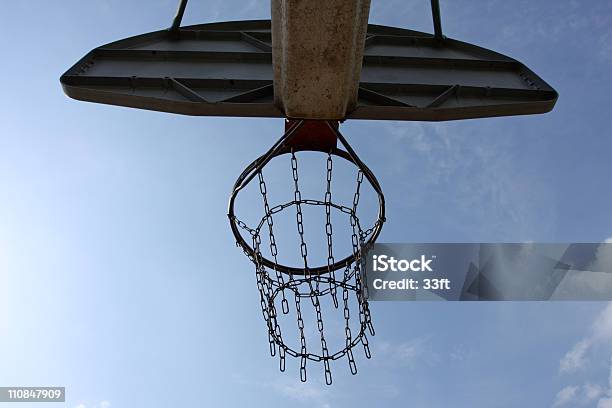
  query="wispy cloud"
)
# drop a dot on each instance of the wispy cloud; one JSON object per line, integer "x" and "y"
{"x": 461, "y": 163}
{"x": 573, "y": 395}
{"x": 578, "y": 28}
{"x": 575, "y": 359}
{"x": 602, "y": 327}
{"x": 409, "y": 353}
{"x": 600, "y": 333}
{"x": 592, "y": 392}
{"x": 606, "y": 401}
{"x": 311, "y": 394}
{"x": 565, "y": 396}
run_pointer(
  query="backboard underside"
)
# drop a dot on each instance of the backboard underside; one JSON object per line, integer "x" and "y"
{"x": 225, "y": 69}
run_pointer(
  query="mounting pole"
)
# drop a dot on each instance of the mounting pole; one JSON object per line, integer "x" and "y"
{"x": 435, "y": 12}
{"x": 176, "y": 23}
{"x": 317, "y": 53}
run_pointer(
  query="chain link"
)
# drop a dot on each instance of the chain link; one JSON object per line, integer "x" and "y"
{"x": 271, "y": 283}
{"x": 298, "y": 208}
{"x": 273, "y": 248}
{"x": 329, "y": 230}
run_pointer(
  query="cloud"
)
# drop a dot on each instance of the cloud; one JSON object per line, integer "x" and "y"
{"x": 462, "y": 164}
{"x": 407, "y": 353}
{"x": 312, "y": 393}
{"x": 298, "y": 391}
{"x": 418, "y": 352}
{"x": 592, "y": 392}
{"x": 606, "y": 402}
{"x": 575, "y": 359}
{"x": 306, "y": 393}
{"x": 600, "y": 333}
{"x": 578, "y": 395}
{"x": 565, "y": 396}
{"x": 567, "y": 23}
{"x": 602, "y": 327}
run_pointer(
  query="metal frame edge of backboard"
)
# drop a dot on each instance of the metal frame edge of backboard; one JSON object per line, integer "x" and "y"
{"x": 224, "y": 69}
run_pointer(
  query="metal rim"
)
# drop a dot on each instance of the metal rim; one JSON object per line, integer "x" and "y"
{"x": 278, "y": 149}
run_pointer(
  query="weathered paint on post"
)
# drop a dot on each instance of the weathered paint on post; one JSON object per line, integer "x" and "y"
{"x": 317, "y": 50}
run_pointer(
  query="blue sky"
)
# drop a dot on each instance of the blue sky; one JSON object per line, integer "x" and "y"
{"x": 120, "y": 280}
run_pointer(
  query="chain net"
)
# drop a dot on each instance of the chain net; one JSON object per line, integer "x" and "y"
{"x": 283, "y": 293}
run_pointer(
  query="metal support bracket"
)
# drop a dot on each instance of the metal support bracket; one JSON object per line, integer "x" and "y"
{"x": 178, "y": 18}
{"x": 437, "y": 21}
{"x": 312, "y": 135}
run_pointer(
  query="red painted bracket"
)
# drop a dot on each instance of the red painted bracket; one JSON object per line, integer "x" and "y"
{"x": 313, "y": 135}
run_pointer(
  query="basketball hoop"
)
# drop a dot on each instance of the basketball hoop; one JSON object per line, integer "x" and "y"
{"x": 276, "y": 68}
{"x": 276, "y": 281}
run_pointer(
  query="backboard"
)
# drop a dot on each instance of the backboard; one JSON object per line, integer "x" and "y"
{"x": 226, "y": 69}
